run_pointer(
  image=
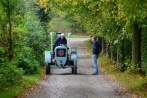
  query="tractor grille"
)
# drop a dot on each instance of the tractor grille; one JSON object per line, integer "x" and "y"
{"x": 61, "y": 52}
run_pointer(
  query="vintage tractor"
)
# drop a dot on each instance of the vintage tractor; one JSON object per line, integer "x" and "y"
{"x": 60, "y": 58}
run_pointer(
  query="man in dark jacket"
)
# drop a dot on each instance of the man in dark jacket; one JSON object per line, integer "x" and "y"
{"x": 60, "y": 40}
{"x": 95, "y": 53}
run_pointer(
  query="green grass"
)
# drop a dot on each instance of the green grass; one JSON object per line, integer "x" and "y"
{"x": 26, "y": 82}
{"x": 133, "y": 82}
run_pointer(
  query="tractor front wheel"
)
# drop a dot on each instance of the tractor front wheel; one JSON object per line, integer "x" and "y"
{"x": 74, "y": 68}
{"x": 47, "y": 68}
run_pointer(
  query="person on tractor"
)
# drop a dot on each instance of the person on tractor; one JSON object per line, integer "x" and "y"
{"x": 60, "y": 41}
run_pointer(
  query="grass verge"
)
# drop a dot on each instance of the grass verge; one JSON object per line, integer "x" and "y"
{"x": 135, "y": 83}
{"x": 26, "y": 82}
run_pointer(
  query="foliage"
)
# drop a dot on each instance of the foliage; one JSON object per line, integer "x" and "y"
{"x": 15, "y": 90}
{"x": 144, "y": 52}
{"x": 9, "y": 6}
{"x": 27, "y": 61}
{"x": 10, "y": 74}
{"x": 23, "y": 35}
{"x": 58, "y": 24}
{"x": 36, "y": 38}
{"x": 2, "y": 57}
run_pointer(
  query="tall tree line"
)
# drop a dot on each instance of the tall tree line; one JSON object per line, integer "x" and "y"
{"x": 23, "y": 39}
{"x": 120, "y": 24}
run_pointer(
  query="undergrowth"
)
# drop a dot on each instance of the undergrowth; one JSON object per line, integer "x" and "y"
{"x": 23, "y": 84}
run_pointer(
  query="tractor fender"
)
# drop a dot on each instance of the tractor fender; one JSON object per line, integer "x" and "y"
{"x": 74, "y": 57}
{"x": 48, "y": 57}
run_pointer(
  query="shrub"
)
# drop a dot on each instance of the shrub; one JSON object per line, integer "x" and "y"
{"x": 2, "y": 58}
{"x": 10, "y": 74}
{"x": 26, "y": 61}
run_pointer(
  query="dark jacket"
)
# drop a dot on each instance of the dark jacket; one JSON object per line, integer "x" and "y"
{"x": 96, "y": 48}
{"x": 60, "y": 41}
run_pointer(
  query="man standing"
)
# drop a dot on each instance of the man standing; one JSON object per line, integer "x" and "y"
{"x": 95, "y": 53}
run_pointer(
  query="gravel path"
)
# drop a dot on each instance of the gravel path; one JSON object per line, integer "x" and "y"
{"x": 62, "y": 84}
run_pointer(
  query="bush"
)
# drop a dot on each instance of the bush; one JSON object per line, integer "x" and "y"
{"x": 10, "y": 74}
{"x": 27, "y": 62}
{"x": 2, "y": 58}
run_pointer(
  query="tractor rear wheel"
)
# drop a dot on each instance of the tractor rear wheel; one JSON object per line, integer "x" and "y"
{"x": 47, "y": 68}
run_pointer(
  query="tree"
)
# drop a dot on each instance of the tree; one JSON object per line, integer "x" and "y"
{"x": 134, "y": 13}
{"x": 8, "y": 8}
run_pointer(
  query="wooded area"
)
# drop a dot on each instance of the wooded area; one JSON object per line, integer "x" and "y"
{"x": 23, "y": 39}
{"x": 120, "y": 26}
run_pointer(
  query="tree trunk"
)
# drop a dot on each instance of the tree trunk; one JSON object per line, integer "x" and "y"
{"x": 112, "y": 55}
{"x": 136, "y": 47}
{"x": 108, "y": 51}
{"x": 103, "y": 46}
{"x": 119, "y": 59}
{"x": 10, "y": 32}
{"x": 74, "y": 26}
{"x": 122, "y": 52}
{"x": 100, "y": 40}
{"x": 121, "y": 56}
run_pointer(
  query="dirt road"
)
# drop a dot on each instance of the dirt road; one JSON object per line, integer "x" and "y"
{"x": 62, "y": 84}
